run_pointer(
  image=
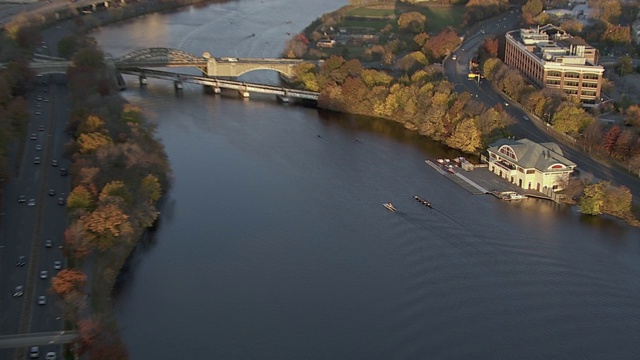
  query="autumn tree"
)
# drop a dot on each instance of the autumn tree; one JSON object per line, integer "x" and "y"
{"x": 67, "y": 281}
{"x": 617, "y": 34}
{"x": 606, "y": 10}
{"x": 442, "y": 44}
{"x": 531, "y": 9}
{"x": 572, "y": 26}
{"x": 92, "y": 141}
{"x": 77, "y": 241}
{"x": 412, "y": 22}
{"x": 633, "y": 115}
{"x": 611, "y": 138}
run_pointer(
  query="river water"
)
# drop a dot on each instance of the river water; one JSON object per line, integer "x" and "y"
{"x": 274, "y": 244}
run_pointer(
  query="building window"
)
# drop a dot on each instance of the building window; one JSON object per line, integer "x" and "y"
{"x": 530, "y": 171}
{"x": 506, "y": 150}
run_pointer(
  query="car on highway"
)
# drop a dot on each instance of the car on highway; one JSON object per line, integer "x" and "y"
{"x": 525, "y": 117}
{"x": 22, "y": 260}
{"x": 52, "y": 192}
{"x": 34, "y": 352}
{"x": 38, "y": 112}
{"x": 61, "y": 201}
{"x": 46, "y": 99}
{"x": 57, "y": 265}
{"x": 38, "y": 147}
{"x": 48, "y": 243}
{"x": 44, "y": 274}
{"x": 36, "y": 160}
{"x": 51, "y": 356}
{"x": 41, "y": 128}
{"x": 54, "y": 162}
{"x": 39, "y": 98}
{"x": 34, "y": 136}
{"x": 454, "y": 57}
{"x": 63, "y": 172}
{"x": 22, "y": 199}
{"x": 32, "y": 202}
{"x": 42, "y": 300}
{"x": 19, "y": 291}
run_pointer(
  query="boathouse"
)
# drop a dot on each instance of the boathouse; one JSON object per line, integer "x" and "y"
{"x": 529, "y": 165}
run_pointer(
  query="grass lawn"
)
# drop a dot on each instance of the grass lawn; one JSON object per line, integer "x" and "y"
{"x": 372, "y": 12}
{"x": 439, "y": 17}
{"x": 373, "y": 24}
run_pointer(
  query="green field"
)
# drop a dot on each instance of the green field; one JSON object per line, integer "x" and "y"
{"x": 439, "y": 18}
{"x": 373, "y": 24}
{"x": 371, "y": 12}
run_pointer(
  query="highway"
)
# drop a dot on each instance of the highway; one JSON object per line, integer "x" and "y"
{"x": 24, "y": 228}
{"x": 533, "y": 129}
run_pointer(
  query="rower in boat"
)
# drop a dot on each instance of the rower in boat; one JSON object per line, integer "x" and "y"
{"x": 389, "y": 206}
{"x": 423, "y": 201}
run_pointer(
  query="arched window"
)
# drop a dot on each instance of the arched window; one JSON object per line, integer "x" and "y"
{"x": 508, "y": 151}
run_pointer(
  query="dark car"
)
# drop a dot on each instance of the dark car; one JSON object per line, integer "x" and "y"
{"x": 64, "y": 172}
{"x": 34, "y": 136}
{"x": 19, "y": 291}
{"x": 22, "y": 199}
{"x": 22, "y": 260}
{"x": 52, "y": 192}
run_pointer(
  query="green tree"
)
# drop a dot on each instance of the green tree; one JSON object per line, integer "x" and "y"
{"x": 571, "y": 119}
{"x": 592, "y": 201}
{"x": 80, "y": 198}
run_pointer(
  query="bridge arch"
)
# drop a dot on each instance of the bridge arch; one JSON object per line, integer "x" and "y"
{"x": 287, "y": 73}
{"x": 161, "y": 57}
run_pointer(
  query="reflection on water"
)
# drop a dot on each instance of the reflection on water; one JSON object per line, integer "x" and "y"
{"x": 274, "y": 242}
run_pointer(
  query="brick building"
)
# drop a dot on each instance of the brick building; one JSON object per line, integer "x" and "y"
{"x": 549, "y": 57}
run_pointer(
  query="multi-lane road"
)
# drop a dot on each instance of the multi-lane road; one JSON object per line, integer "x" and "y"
{"x": 26, "y": 226}
{"x": 525, "y": 127}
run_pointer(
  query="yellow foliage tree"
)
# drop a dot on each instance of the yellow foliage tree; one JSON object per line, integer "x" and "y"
{"x": 92, "y": 141}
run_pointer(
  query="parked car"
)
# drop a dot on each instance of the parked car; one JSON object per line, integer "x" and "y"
{"x": 18, "y": 291}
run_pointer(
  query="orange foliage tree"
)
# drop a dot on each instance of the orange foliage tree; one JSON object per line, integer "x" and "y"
{"x": 68, "y": 281}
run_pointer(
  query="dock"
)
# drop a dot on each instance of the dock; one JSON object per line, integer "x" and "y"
{"x": 480, "y": 180}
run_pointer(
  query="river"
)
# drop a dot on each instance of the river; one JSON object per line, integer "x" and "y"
{"x": 274, "y": 244}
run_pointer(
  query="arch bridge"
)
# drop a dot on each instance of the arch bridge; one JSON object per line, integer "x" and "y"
{"x": 209, "y": 65}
